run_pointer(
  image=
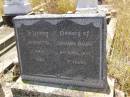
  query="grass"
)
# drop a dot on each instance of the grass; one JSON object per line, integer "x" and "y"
{"x": 119, "y": 61}
{"x": 34, "y": 3}
{"x": 1, "y": 7}
{"x": 60, "y": 6}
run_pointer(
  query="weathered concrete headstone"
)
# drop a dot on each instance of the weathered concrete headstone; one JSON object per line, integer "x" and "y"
{"x": 87, "y": 3}
{"x": 16, "y": 7}
{"x": 67, "y": 51}
{"x": 87, "y": 6}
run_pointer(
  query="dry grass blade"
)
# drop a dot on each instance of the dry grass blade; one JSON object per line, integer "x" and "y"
{"x": 1, "y": 7}
{"x": 120, "y": 59}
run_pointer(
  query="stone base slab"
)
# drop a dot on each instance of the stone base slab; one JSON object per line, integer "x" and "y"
{"x": 21, "y": 89}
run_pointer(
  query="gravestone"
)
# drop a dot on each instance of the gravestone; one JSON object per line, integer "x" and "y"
{"x": 87, "y": 3}
{"x": 87, "y": 6}
{"x": 16, "y": 7}
{"x": 67, "y": 51}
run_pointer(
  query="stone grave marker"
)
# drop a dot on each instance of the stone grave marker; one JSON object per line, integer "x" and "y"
{"x": 87, "y": 6}
{"x": 67, "y": 51}
{"x": 16, "y": 7}
{"x": 87, "y": 3}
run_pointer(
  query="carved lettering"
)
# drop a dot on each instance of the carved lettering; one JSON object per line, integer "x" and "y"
{"x": 79, "y": 34}
{"x": 86, "y": 34}
{"x": 76, "y": 62}
{"x": 39, "y": 59}
{"x": 37, "y": 34}
{"x": 38, "y": 42}
{"x": 72, "y": 52}
{"x": 39, "y": 51}
{"x": 80, "y": 43}
{"x": 66, "y": 43}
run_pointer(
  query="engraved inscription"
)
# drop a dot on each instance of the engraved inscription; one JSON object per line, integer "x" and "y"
{"x": 38, "y": 42}
{"x": 60, "y": 48}
{"x": 39, "y": 59}
{"x": 71, "y": 43}
{"x": 79, "y": 34}
{"x": 66, "y": 43}
{"x": 72, "y": 52}
{"x": 39, "y": 53}
{"x": 37, "y": 34}
{"x": 76, "y": 62}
